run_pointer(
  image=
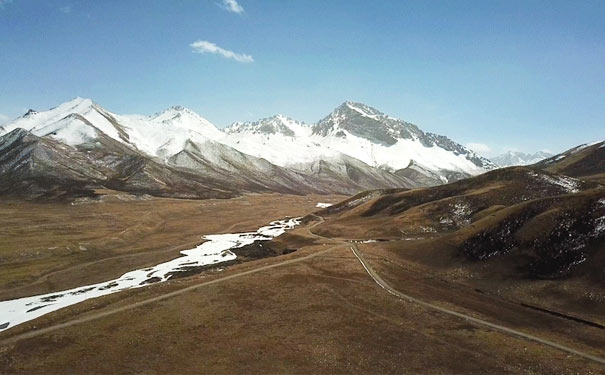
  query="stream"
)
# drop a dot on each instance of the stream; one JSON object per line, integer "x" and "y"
{"x": 215, "y": 249}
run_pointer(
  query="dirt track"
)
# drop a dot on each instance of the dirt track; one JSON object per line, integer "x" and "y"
{"x": 340, "y": 243}
{"x": 391, "y": 290}
{"x": 481, "y": 322}
{"x": 88, "y": 318}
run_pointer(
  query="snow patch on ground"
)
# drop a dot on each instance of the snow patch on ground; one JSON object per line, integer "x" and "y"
{"x": 600, "y": 222}
{"x": 323, "y": 205}
{"x": 215, "y": 250}
{"x": 461, "y": 212}
{"x": 459, "y": 215}
{"x": 569, "y": 184}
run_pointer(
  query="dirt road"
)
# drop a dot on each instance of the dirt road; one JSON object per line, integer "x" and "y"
{"x": 339, "y": 243}
{"x": 135, "y": 305}
{"x": 480, "y": 322}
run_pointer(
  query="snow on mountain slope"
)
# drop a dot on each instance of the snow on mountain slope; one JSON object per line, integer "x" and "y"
{"x": 166, "y": 133}
{"x": 358, "y": 131}
{"x": 278, "y": 139}
{"x": 73, "y": 122}
{"x": 291, "y": 144}
{"x": 352, "y": 129}
{"x": 161, "y": 135}
{"x": 383, "y": 141}
{"x": 400, "y": 154}
{"x": 278, "y": 124}
{"x": 356, "y": 147}
{"x": 511, "y": 158}
{"x": 171, "y": 153}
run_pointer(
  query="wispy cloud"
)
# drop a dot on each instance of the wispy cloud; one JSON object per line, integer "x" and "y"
{"x": 203, "y": 46}
{"x": 231, "y": 6}
{"x": 66, "y": 9}
{"x": 4, "y": 2}
{"x": 481, "y": 148}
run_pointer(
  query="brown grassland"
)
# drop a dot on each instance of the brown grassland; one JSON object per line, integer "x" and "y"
{"x": 321, "y": 313}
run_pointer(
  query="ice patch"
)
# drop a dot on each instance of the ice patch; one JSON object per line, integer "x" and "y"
{"x": 215, "y": 250}
{"x": 323, "y": 205}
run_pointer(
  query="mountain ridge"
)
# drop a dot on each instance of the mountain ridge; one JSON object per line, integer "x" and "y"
{"x": 356, "y": 147}
{"x": 516, "y": 158}
{"x": 361, "y": 132}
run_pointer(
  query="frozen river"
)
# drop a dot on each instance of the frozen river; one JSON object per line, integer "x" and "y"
{"x": 216, "y": 249}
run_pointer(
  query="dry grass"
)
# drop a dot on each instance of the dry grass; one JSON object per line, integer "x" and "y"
{"x": 321, "y": 315}
{"x": 62, "y": 245}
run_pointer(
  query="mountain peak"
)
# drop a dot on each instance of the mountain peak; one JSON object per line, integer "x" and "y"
{"x": 180, "y": 120}
{"x": 277, "y": 124}
{"x": 359, "y": 109}
{"x": 172, "y": 111}
{"x": 78, "y": 102}
{"x": 30, "y": 113}
{"x": 366, "y": 122}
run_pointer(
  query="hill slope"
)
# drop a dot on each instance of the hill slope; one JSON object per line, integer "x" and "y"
{"x": 527, "y": 234}
{"x": 586, "y": 161}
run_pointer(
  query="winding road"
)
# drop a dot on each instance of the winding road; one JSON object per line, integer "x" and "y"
{"x": 339, "y": 243}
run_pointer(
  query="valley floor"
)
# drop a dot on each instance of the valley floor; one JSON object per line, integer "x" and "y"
{"x": 315, "y": 310}
{"x": 48, "y": 247}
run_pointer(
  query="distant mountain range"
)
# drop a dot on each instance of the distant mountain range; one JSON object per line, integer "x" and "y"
{"x": 514, "y": 158}
{"x": 79, "y": 146}
{"x": 357, "y": 131}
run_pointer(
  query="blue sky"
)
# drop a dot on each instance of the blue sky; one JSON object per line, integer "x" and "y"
{"x": 526, "y": 75}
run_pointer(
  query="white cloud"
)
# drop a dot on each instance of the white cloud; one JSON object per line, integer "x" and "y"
{"x": 203, "y": 46}
{"x": 66, "y": 9}
{"x": 231, "y": 6}
{"x": 479, "y": 147}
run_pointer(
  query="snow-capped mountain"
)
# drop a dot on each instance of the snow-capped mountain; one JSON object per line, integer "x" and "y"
{"x": 171, "y": 153}
{"x": 75, "y": 122}
{"x": 78, "y": 122}
{"x": 360, "y": 132}
{"x": 384, "y": 141}
{"x": 510, "y": 158}
{"x": 278, "y": 139}
{"x": 179, "y": 153}
{"x": 166, "y": 133}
